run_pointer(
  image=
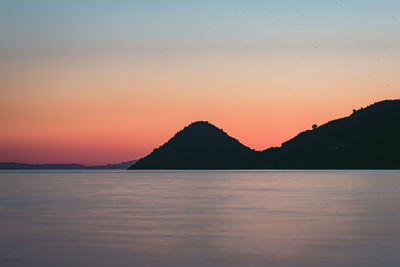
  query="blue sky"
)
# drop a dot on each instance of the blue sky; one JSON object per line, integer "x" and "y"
{"x": 140, "y": 25}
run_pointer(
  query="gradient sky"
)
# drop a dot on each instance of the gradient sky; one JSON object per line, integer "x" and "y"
{"x": 107, "y": 81}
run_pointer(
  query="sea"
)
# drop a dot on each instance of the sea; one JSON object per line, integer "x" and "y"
{"x": 200, "y": 218}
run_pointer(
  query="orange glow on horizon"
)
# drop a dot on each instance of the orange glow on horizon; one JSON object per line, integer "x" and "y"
{"x": 96, "y": 111}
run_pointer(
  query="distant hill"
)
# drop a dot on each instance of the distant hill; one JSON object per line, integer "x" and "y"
{"x": 367, "y": 139}
{"x": 26, "y": 166}
{"x": 200, "y": 145}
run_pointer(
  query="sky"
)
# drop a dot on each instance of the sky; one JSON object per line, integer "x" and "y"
{"x": 100, "y": 81}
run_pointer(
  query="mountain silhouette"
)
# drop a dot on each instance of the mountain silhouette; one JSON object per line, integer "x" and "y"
{"x": 200, "y": 145}
{"x": 64, "y": 166}
{"x": 367, "y": 139}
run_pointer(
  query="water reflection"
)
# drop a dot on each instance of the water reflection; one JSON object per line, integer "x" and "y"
{"x": 200, "y": 218}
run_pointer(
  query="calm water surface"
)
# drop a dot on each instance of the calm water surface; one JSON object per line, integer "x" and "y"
{"x": 200, "y": 218}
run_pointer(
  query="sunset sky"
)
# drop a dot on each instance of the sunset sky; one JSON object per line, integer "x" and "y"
{"x": 107, "y": 81}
